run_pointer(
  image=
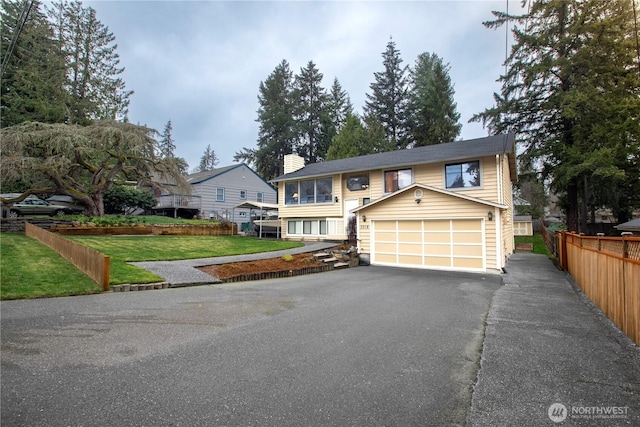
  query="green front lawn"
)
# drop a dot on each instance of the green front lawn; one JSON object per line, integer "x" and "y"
{"x": 29, "y": 269}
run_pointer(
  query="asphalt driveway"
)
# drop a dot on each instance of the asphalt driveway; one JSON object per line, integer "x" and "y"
{"x": 364, "y": 346}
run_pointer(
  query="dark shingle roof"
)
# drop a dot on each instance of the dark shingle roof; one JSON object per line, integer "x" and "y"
{"x": 196, "y": 178}
{"x": 451, "y": 151}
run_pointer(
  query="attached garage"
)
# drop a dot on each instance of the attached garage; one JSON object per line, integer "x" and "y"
{"x": 451, "y": 244}
{"x": 431, "y": 228}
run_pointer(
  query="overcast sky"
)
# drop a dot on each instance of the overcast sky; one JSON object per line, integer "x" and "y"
{"x": 200, "y": 63}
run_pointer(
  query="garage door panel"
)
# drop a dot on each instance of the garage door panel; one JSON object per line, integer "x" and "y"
{"x": 386, "y": 226}
{"x": 433, "y": 261}
{"x": 466, "y": 238}
{"x": 468, "y": 263}
{"x": 386, "y": 247}
{"x": 444, "y": 225}
{"x": 408, "y": 248}
{"x": 437, "y": 249}
{"x": 409, "y": 225}
{"x": 415, "y": 260}
{"x": 465, "y": 225}
{"x": 440, "y": 237}
{"x": 466, "y": 250}
{"x": 386, "y": 236}
{"x": 410, "y": 237}
{"x": 386, "y": 258}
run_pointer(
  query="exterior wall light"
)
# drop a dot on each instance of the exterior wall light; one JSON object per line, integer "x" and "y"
{"x": 364, "y": 218}
{"x": 490, "y": 216}
{"x": 336, "y": 199}
{"x": 418, "y": 195}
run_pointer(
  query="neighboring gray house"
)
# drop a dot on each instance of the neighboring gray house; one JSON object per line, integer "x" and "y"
{"x": 224, "y": 188}
{"x": 215, "y": 193}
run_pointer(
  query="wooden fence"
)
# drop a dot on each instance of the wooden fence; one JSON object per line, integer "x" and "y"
{"x": 607, "y": 269}
{"x": 91, "y": 262}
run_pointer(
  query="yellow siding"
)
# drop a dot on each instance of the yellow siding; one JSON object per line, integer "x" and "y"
{"x": 507, "y": 199}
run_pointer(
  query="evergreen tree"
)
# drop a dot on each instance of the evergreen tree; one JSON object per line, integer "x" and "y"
{"x": 167, "y": 145}
{"x": 339, "y": 105}
{"x": 351, "y": 141}
{"x": 358, "y": 139}
{"x": 94, "y": 83}
{"x": 434, "y": 118}
{"x": 570, "y": 93}
{"x": 277, "y": 132}
{"x": 311, "y": 115}
{"x": 387, "y": 102}
{"x": 209, "y": 160}
{"x": 33, "y": 70}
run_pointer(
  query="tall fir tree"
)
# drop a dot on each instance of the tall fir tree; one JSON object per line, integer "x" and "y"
{"x": 434, "y": 118}
{"x": 33, "y": 67}
{"x": 311, "y": 114}
{"x": 387, "y": 102}
{"x": 94, "y": 76}
{"x": 167, "y": 144}
{"x": 570, "y": 93}
{"x": 339, "y": 105}
{"x": 277, "y": 134}
{"x": 209, "y": 160}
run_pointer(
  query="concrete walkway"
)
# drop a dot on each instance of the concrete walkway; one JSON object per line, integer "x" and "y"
{"x": 550, "y": 356}
{"x": 185, "y": 272}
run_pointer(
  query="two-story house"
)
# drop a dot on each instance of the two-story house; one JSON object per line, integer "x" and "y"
{"x": 222, "y": 189}
{"x": 446, "y": 206}
{"x": 217, "y": 194}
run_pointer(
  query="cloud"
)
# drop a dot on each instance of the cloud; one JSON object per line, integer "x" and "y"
{"x": 199, "y": 64}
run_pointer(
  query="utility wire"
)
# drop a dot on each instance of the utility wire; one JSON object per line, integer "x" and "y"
{"x": 22, "y": 20}
{"x": 635, "y": 22}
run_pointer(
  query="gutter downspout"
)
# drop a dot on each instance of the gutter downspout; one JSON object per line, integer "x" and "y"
{"x": 498, "y": 215}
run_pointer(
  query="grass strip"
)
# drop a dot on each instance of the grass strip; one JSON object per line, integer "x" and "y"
{"x": 539, "y": 247}
{"x": 29, "y": 269}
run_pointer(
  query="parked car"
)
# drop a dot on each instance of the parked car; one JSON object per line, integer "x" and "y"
{"x": 6, "y": 206}
{"x": 68, "y": 201}
{"x": 37, "y": 207}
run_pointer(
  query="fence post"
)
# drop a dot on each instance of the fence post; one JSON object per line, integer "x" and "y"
{"x": 105, "y": 273}
{"x": 563, "y": 250}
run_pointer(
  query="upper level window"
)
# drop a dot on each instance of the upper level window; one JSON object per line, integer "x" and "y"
{"x": 243, "y": 194}
{"x": 308, "y": 191}
{"x": 463, "y": 175}
{"x": 219, "y": 194}
{"x": 358, "y": 183}
{"x": 397, "y": 179}
{"x": 260, "y": 197}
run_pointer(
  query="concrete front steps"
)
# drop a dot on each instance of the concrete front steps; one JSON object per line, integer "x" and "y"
{"x": 337, "y": 258}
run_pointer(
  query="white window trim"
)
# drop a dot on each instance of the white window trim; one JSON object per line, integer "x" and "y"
{"x": 224, "y": 194}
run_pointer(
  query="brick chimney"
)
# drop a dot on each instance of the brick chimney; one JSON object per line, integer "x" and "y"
{"x": 292, "y": 163}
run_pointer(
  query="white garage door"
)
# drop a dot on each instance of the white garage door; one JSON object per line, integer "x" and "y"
{"x": 456, "y": 244}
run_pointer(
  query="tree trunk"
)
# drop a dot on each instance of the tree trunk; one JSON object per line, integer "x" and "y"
{"x": 572, "y": 207}
{"x": 96, "y": 208}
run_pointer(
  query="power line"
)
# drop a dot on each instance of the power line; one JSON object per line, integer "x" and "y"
{"x": 635, "y": 23}
{"x": 22, "y": 20}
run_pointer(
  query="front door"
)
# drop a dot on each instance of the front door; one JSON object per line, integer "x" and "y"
{"x": 348, "y": 205}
